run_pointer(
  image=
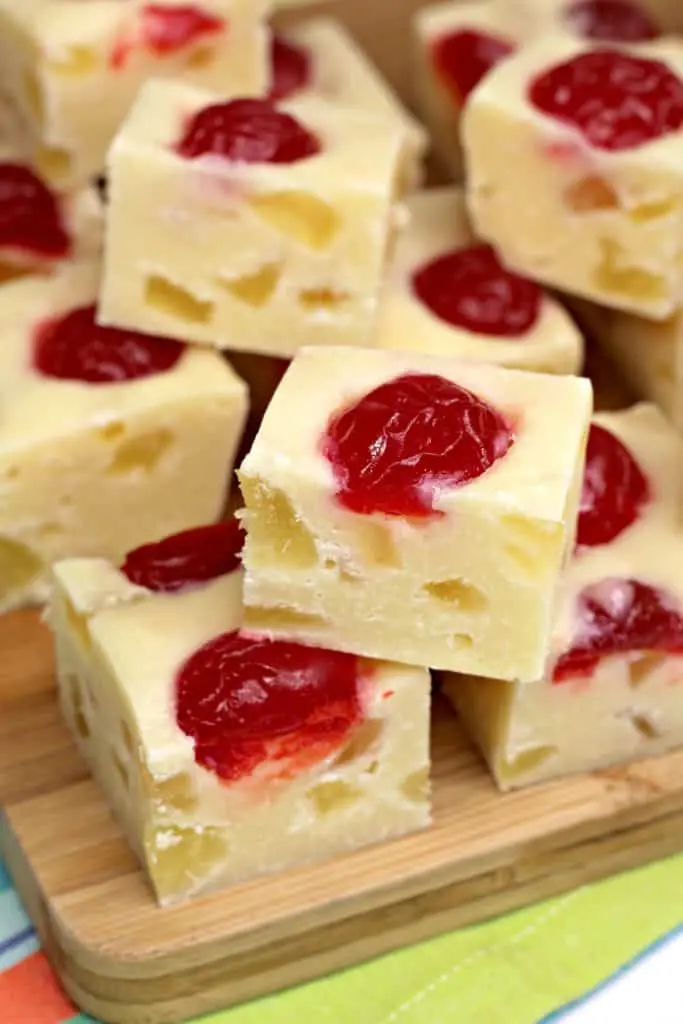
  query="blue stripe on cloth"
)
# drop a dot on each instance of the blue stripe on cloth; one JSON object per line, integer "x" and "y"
{"x": 25, "y": 945}
{"x": 16, "y": 940}
{"x": 13, "y": 917}
{"x": 17, "y": 937}
{"x": 568, "y": 1011}
{"x": 5, "y": 880}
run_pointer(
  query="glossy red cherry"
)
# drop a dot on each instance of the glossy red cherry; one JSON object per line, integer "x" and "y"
{"x": 463, "y": 58}
{"x": 75, "y": 347}
{"x": 617, "y": 616}
{"x": 615, "y": 490}
{"x": 246, "y": 700}
{"x": 186, "y": 559}
{"x": 169, "y": 28}
{"x": 165, "y": 29}
{"x": 469, "y": 289}
{"x": 291, "y": 68}
{"x": 250, "y": 131}
{"x": 395, "y": 448}
{"x": 617, "y": 101}
{"x": 30, "y": 217}
{"x": 616, "y": 21}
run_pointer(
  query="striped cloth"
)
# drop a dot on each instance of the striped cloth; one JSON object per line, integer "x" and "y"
{"x": 606, "y": 954}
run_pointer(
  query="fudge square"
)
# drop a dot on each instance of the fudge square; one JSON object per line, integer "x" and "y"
{"x": 210, "y": 785}
{"x": 107, "y": 438}
{"x": 595, "y": 204}
{"x": 56, "y": 55}
{"x": 421, "y": 509}
{"x": 319, "y": 57}
{"x": 247, "y": 225}
{"x": 455, "y": 45}
{"x": 447, "y": 294}
{"x": 41, "y": 227}
{"x": 458, "y": 43}
{"x": 614, "y": 689}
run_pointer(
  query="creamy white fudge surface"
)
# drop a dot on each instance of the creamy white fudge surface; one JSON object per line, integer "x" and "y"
{"x": 41, "y": 227}
{"x": 614, "y": 690}
{"x": 594, "y": 209}
{"x": 252, "y": 256}
{"x": 56, "y": 55}
{"x": 94, "y": 468}
{"x": 446, "y": 294}
{"x": 198, "y": 824}
{"x": 359, "y": 537}
{"x": 323, "y": 57}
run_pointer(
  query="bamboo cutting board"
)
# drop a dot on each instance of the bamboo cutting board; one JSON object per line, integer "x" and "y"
{"x": 127, "y": 962}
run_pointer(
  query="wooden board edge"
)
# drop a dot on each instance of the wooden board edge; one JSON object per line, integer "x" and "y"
{"x": 511, "y": 862}
{"x": 235, "y": 978}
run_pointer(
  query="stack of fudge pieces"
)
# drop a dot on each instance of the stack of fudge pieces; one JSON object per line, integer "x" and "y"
{"x": 423, "y": 485}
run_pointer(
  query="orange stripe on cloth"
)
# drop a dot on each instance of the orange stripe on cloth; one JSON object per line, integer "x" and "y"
{"x": 30, "y": 994}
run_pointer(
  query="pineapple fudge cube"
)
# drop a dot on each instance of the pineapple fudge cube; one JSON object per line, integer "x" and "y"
{"x": 223, "y": 754}
{"x": 318, "y": 57}
{"x": 614, "y": 688}
{"x": 248, "y": 225}
{"x": 55, "y": 55}
{"x": 421, "y": 510}
{"x": 449, "y": 295}
{"x": 42, "y": 228}
{"x": 107, "y": 437}
{"x": 595, "y": 206}
{"x": 456, "y": 45}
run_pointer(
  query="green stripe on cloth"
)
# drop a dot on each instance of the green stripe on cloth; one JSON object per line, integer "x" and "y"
{"x": 513, "y": 970}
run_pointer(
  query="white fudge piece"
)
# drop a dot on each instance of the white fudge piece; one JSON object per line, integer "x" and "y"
{"x": 57, "y": 55}
{"x": 446, "y": 294}
{"x": 42, "y": 228}
{"x": 459, "y": 43}
{"x": 253, "y": 256}
{"x": 456, "y": 44}
{"x": 94, "y": 466}
{"x": 596, "y": 210}
{"x": 422, "y": 506}
{"x": 200, "y": 821}
{"x": 319, "y": 57}
{"x": 614, "y": 692}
